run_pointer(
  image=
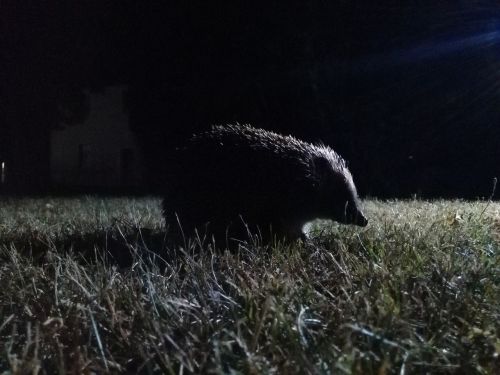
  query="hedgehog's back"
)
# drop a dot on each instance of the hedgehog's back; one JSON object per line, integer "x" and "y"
{"x": 241, "y": 158}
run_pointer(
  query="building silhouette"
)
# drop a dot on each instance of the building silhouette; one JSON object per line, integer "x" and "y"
{"x": 100, "y": 153}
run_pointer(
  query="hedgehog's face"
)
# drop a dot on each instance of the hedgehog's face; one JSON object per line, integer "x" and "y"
{"x": 337, "y": 198}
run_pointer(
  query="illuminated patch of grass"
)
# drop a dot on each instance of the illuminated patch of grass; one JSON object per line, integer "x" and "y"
{"x": 417, "y": 291}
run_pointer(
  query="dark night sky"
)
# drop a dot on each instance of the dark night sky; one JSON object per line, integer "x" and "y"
{"x": 408, "y": 92}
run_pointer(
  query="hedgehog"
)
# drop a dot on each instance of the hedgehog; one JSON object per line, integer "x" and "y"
{"x": 236, "y": 181}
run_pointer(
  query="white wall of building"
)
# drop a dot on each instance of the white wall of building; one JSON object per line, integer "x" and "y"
{"x": 101, "y": 151}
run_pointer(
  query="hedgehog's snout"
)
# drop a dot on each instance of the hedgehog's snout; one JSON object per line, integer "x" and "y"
{"x": 353, "y": 215}
{"x": 361, "y": 220}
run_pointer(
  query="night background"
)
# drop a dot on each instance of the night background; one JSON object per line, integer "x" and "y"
{"x": 408, "y": 93}
{"x": 107, "y": 265}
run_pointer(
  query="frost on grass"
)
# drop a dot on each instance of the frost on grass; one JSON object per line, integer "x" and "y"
{"x": 416, "y": 291}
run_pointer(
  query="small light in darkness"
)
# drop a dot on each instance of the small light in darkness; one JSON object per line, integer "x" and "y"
{"x": 2, "y": 178}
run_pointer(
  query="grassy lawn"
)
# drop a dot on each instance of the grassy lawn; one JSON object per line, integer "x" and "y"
{"x": 88, "y": 285}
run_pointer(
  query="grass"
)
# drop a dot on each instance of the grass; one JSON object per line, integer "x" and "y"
{"x": 88, "y": 285}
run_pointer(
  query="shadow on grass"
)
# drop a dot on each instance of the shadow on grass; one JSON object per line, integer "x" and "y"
{"x": 124, "y": 246}
{"x": 111, "y": 246}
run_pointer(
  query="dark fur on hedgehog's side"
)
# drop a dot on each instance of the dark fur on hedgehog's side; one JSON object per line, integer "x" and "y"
{"x": 236, "y": 178}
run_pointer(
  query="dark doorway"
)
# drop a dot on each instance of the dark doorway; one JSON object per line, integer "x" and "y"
{"x": 83, "y": 156}
{"x": 127, "y": 159}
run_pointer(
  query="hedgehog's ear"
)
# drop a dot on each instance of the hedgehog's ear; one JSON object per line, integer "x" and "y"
{"x": 322, "y": 168}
